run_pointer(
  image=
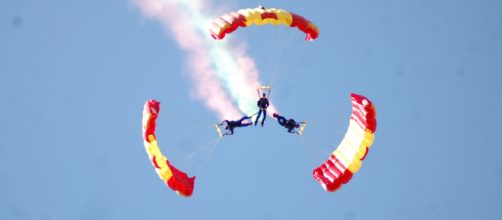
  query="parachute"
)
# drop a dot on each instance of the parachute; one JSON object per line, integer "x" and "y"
{"x": 346, "y": 159}
{"x": 174, "y": 178}
{"x": 229, "y": 22}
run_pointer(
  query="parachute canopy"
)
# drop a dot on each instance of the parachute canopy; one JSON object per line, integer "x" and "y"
{"x": 174, "y": 178}
{"x": 229, "y": 22}
{"x": 346, "y": 159}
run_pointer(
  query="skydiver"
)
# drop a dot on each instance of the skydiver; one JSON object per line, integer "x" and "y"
{"x": 230, "y": 125}
{"x": 263, "y": 105}
{"x": 290, "y": 124}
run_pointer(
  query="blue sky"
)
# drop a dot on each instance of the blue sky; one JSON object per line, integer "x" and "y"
{"x": 74, "y": 76}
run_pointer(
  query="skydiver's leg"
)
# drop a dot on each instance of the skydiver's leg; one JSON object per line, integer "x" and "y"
{"x": 264, "y": 117}
{"x": 246, "y": 124}
{"x": 257, "y": 117}
{"x": 248, "y": 118}
{"x": 241, "y": 124}
{"x": 243, "y": 118}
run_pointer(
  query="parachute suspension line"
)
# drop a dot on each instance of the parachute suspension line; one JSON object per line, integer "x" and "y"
{"x": 199, "y": 132}
{"x": 193, "y": 159}
{"x": 273, "y": 36}
{"x": 266, "y": 48}
{"x": 292, "y": 52}
{"x": 309, "y": 147}
{"x": 330, "y": 114}
{"x": 201, "y": 148}
{"x": 334, "y": 112}
{"x": 284, "y": 42}
{"x": 318, "y": 142}
{"x": 275, "y": 55}
{"x": 325, "y": 130}
{"x": 320, "y": 122}
{"x": 189, "y": 159}
{"x": 212, "y": 145}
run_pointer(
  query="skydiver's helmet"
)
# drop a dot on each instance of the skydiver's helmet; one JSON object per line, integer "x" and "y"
{"x": 275, "y": 115}
{"x": 226, "y": 127}
{"x": 264, "y": 95}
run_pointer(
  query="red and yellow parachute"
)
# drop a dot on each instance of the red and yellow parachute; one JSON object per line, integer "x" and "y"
{"x": 174, "y": 178}
{"x": 229, "y": 22}
{"x": 346, "y": 159}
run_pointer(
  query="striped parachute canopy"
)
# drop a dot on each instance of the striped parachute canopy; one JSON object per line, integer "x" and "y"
{"x": 174, "y": 178}
{"x": 347, "y": 158}
{"x": 229, "y": 22}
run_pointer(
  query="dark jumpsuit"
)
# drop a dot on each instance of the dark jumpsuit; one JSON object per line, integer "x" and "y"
{"x": 263, "y": 105}
{"x": 232, "y": 124}
{"x": 290, "y": 124}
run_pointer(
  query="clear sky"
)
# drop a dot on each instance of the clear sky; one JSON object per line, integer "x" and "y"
{"x": 74, "y": 76}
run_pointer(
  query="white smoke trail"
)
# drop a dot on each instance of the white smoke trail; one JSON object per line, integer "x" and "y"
{"x": 225, "y": 77}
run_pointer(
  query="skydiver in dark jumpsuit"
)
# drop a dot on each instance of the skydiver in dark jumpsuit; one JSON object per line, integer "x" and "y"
{"x": 263, "y": 105}
{"x": 230, "y": 125}
{"x": 290, "y": 124}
